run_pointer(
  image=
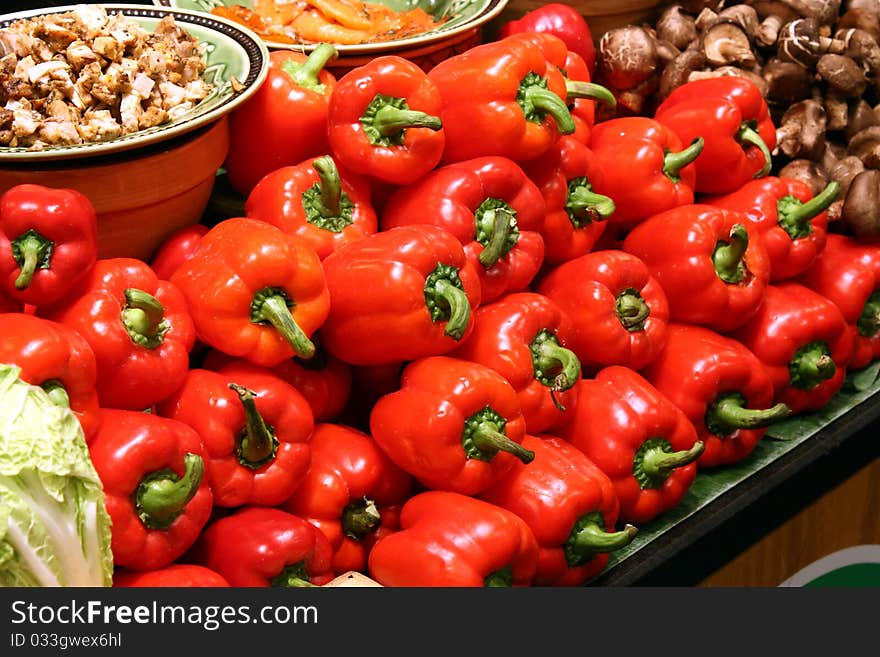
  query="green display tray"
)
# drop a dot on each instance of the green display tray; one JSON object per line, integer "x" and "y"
{"x": 787, "y": 447}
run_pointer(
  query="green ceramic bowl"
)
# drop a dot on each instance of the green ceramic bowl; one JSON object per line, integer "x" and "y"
{"x": 232, "y": 51}
{"x": 461, "y": 16}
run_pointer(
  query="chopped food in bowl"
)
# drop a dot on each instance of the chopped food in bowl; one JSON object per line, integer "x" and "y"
{"x": 87, "y": 75}
{"x": 346, "y": 22}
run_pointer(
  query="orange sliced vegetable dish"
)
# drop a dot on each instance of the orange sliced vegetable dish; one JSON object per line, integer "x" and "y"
{"x": 344, "y": 22}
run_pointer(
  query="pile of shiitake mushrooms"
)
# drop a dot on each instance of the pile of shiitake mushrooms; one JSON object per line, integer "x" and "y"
{"x": 817, "y": 62}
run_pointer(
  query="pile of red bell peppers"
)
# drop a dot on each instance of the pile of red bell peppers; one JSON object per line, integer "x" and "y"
{"x": 462, "y": 335}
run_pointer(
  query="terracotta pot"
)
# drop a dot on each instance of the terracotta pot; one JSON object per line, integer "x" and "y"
{"x": 140, "y": 196}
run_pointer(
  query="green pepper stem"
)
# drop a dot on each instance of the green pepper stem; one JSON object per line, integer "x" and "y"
{"x": 673, "y": 163}
{"x": 305, "y": 74}
{"x": 459, "y": 308}
{"x": 30, "y": 248}
{"x": 257, "y": 443}
{"x": 657, "y": 464}
{"x": 57, "y": 393}
{"x": 293, "y": 576}
{"x": 162, "y": 496}
{"x": 592, "y": 538}
{"x": 274, "y": 310}
{"x": 501, "y": 221}
{"x": 584, "y": 202}
{"x": 794, "y": 216}
{"x": 552, "y": 356}
{"x": 360, "y": 518}
{"x": 330, "y": 186}
{"x": 546, "y": 101}
{"x": 488, "y": 439}
{"x": 728, "y": 256}
{"x": 499, "y": 579}
{"x": 632, "y": 311}
{"x": 730, "y": 412}
{"x": 144, "y": 318}
{"x": 575, "y": 89}
{"x": 390, "y": 120}
{"x": 868, "y": 323}
{"x": 811, "y": 366}
{"x": 748, "y": 135}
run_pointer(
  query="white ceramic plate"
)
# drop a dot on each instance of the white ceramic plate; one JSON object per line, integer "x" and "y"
{"x": 232, "y": 50}
{"x": 462, "y": 16}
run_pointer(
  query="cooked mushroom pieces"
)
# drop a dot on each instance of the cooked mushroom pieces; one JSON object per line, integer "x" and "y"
{"x": 86, "y": 75}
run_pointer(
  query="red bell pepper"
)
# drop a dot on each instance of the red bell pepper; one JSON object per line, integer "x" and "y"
{"x": 617, "y": 309}
{"x": 179, "y": 247}
{"x": 313, "y": 201}
{"x": 382, "y": 121}
{"x": 563, "y": 21}
{"x": 56, "y": 358}
{"x": 137, "y": 325}
{"x": 567, "y": 176}
{"x": 11, "y": 305}
{"x": 48, "y": 242}
{"x": 399, "y": 295}
{"x": 261, "y": 547}
{"x": 581, "y": 93}
{"x": 285, "y": 121}
{"x": 571, "y": 507}
{"x": 732, "y": 117}
{"x": 451, "y": 540}
{"x": 523, "y": 338}
{"x": 647, "y": 168}
{"x": 255, "y": 429}
{"x": 501, "y": 98}
{"x": 711, "y": 263}
{"x": 369, "y": 383}
{"x": 323, "y": 380}
{"x": 255, "y": 291}
{"x": 152, "y": 470}
{"x": 847, "y": 273}
{"x": 177, "y": 575}
{"x": 792, "y": 222}
{"x": 453, "y": 425}
{"x": 493, "y": 209}
{"x": 636, "y": 436}
{"x": 349, "y": 483}
{"x": 804, "y": 342}
{"x": 721, "y": 386}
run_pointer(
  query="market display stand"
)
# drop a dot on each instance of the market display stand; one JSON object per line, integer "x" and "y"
{"x": 727, "y": 529}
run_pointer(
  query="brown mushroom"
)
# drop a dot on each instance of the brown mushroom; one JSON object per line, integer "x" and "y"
{"x": 844, "y": 171}
{"x": 773, "y": 14}
{"x": 865, "y": 145}
{"x": 861, "y": 207}
{"x": 861, "y": 19}
{"x": 870, "y": 5}
{"x": 836, "y": 112}
{"x": 786, "y": 82}
{"x": 727, "y": 42}
{"x": 860, "y": 46}
{"x": 676, "y": 27}
{"x": 861, "y": 116}
{"x": 824, "y": 11}
{"x": 800, "y": 42}
{"x": 627, "y": 56}
{"x": 844, "y": 77}
{"x": 676, "y": 73}
{"x": 808, "y": 172}
{"x": 801, "y": 133}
